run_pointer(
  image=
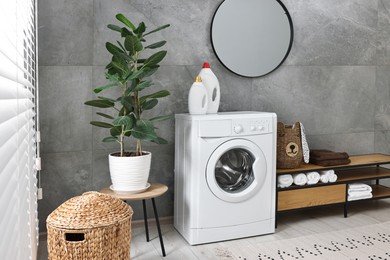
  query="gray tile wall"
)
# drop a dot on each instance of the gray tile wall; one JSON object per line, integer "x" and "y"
{"x": 336, "y": 81}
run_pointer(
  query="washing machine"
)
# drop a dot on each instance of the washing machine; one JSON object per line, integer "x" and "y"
{"x": 225, "y": 173}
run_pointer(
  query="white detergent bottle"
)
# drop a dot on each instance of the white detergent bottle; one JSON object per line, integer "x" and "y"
{"x": 197, "y": 98}
{"x": 211, "y": 83}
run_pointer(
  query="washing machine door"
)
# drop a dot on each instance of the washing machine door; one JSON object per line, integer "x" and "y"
{"x": 236, "y": 170}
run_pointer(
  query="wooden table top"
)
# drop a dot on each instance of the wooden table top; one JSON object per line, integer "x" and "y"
{"x": 155, "y": 190}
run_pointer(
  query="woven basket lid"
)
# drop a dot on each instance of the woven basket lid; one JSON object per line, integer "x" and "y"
{"x": 90, "y": 210}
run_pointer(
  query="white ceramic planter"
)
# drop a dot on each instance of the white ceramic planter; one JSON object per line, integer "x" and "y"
{"x": 129, "y": 173}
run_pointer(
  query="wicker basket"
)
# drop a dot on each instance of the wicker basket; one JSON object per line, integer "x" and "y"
{"x": 91, "y": 226}
{"x": 289, "y": 146}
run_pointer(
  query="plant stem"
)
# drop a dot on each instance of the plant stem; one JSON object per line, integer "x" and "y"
{"x": 139, "y": 148}
{"x": 122, "y": 145}
{"x": 137, "y": 109}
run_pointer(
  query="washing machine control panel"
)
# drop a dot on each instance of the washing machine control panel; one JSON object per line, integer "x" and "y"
{"x": 251, "y": 126}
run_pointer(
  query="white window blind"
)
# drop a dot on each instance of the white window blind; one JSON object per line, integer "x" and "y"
{"x": 18, "y": 182}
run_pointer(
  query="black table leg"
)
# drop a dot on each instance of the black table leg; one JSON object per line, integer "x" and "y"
{"x": 158, "y": 227}
{"x": 145, "y": 220}
{"x": 345, "y": 210}
{"x": 346, "y": 201}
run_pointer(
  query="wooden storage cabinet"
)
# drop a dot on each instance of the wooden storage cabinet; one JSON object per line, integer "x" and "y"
{"x": 362, "y": 168}
{"x": 311, "y": 197}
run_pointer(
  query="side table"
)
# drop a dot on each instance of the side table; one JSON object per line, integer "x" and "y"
{"x": 155, "y": 190}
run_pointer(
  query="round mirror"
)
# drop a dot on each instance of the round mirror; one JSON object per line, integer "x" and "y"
{"x": 251, "y": 37}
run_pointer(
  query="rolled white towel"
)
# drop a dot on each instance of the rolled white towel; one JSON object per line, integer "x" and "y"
{"x": 312, "y": 178}
{"x": 300, "y": 179}
{"x": 285, "y": 180}
{"x": 359, "y": 187}
{"x": 328, "y": 172}
{"x": 362, "y": 197}
{"x": 324, "y": 177}
{"x": 331, "y": 176}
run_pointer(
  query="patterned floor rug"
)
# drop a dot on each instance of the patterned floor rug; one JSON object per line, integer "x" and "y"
{"x": 371, "y": 242}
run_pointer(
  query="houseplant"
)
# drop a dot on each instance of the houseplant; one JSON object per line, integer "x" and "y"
{"x": 128, "y": 71}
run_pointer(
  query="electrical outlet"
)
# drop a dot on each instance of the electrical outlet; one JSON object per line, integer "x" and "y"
{"x": 40, "y": 194}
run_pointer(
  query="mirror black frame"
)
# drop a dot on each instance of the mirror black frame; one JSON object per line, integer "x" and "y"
{"x": 288, "y": 49}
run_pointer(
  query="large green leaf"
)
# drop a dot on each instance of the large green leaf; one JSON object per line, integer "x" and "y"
{"x": 122, "y": 120}
{"x": 133, "y": 44}
{"x": 105, "y": 115}
{"x": 148, "y": 71}
{"x": 160, "y": 118}
{"x": 124, "y": 20}
{"x": 136, "y": 74}
{"x": 110, "y": 139}
{"x": 133, "y": 122}
{"x": 112, "y": 48}
{"x": 116, "y": 130}
{"x": 100, "y": 103}
{"x": 157, "y": 29}
{"x": 133, "y": 84}
{"x": 155, "y": 58}
{"x": 123, "y": 111}
{"x": 128, "y": 103}
{"x": 144, "y": 130}
{"x": 123, "y": 57}
{"x": 99, "y": 89}
{"x": 120, "y": 45}
{"x": 119, "y": 66}
{"x": 125, "y": 32}
{"x": 126, "y": 121}
{"x": 149, "y": 104}
{"x": 140, "y": 29}
{"x": 101, "y": 124}
{"x": 158, "y": 94}
{"x": 143, "y": 84}
{"x": 113, "y": 71}
{"x": 156, "y": 45}
{"x": 114, "y": 27}
{"x": 111, "y": 77}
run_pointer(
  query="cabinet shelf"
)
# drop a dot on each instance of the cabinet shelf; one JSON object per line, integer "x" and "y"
{"x": 348, "y": 176}
{"x": 362, "y": 168}
{"x": 356, "y": 161}
{"x": 362, "y": 174}
{"x": 380, "y": 191}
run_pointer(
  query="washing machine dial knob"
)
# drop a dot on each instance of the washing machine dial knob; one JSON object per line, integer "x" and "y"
{"x": 238, "y": 129}
{"x": 253, "y": 128}
{"x": 260, "y": 127}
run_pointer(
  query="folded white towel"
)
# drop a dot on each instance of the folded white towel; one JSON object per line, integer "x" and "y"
{"x": 312, "y": 178}
{"x": 324, "y": 177}
{"x": 367, "y": 196}
{"x": 359, "y": 187}
{"x": 300, "y": 179}
{"x": 285, "y": 180}
{"x": 353, "y": 193}
{"x": 331, "y": 176}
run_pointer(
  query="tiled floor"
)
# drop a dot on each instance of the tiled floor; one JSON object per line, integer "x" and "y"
{"x": 292, "y": 224}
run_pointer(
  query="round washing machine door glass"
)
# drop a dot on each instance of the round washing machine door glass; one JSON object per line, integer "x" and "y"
{"x": 233, "y": 170}
{"x": 236, "y": 170}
